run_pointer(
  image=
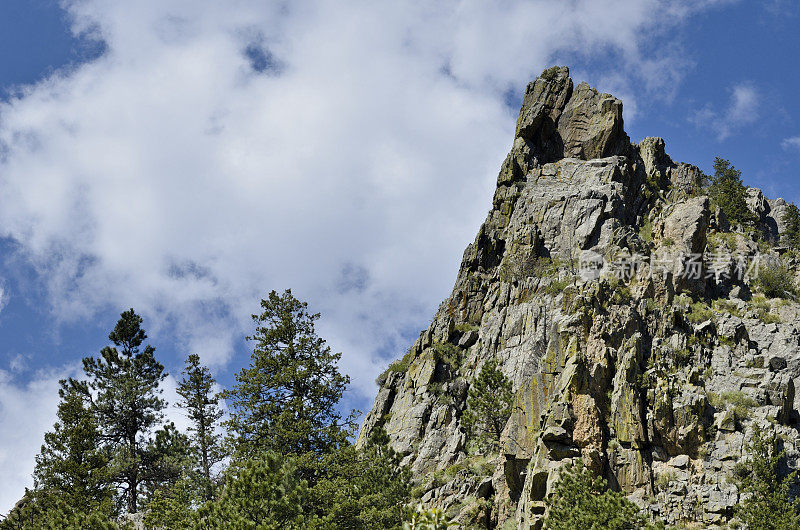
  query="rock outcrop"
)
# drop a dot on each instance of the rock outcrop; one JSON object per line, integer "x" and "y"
{"x": 653, "y": 371}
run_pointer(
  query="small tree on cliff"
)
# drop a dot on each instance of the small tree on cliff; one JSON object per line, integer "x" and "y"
{"x": 791, "y": 222}
{"x": 729, "y": 193}
{"x": 767, "y": 500}
{"x": 582, "y": 501}
{"x": 489, "y": 403}
{"x": 285, "y": 401}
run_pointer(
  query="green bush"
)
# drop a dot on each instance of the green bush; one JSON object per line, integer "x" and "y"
{"x": 646, "y": 230}
{"x": 447, "y": 353}
{"x": 556, "y": 286}
{"x": 726, "y": 307}
{"x": 699, "y": 312}
{"x": 740, "y": 403}
{"x": 775, "y": 280}
{"x": 401, "y": 365}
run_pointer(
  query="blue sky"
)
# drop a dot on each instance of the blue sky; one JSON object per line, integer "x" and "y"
{"x": 186, "y": 159}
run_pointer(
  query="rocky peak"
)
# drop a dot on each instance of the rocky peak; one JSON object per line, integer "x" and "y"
{"x": 654, "y": 378}
{"x": 557, "y": 121}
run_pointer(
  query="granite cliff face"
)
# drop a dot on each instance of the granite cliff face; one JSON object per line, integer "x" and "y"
{"x": 655, "y": 377}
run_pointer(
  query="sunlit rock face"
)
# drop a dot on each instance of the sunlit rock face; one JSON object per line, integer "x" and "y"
{"x": 653, "y": 366}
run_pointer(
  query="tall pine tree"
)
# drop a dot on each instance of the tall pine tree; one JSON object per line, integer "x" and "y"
{"x": 201, "y": 403}
{"x": 125, "y": 380}
{"x": 285, "y": 401}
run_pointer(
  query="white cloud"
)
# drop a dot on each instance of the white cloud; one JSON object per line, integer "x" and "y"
{"x": 27, "y": 410}
{"x": 169, "y": 176}
{"x": 791, "y": 143}
{"x": 742, "y": 110}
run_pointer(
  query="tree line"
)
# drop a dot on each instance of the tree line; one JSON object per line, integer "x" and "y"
{"x": 283, "y": 458}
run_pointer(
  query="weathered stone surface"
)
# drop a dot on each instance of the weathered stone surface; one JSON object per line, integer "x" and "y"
{"x": 591, "y": 125}
{"x": 639, "y": 377}
{"x": 542, "y": 106}
{"x": 686, "y": 225}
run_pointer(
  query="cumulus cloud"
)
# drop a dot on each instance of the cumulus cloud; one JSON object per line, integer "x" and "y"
{"x": 27, "y": 410}
{"x": 742, "y": 110}
{"x": 345, "y": 149}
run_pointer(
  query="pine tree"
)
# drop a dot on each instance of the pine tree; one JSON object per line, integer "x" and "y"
{"x": 361, "y": 487}
{"x": 71, "y": 465}
{"x": 285, "y": 401}
{"x": 791, "y": 222}
{"x": 125, "y": 379}
{"x": 768, "y": 503}
{"x": 729, "y": 193}
{"x": 175, "y": 507}
{"x": 489, "y": 402}
{"x": 581, "y": 501}
{"x": 167, "y": 459}
{"x": 263, "y": 493}
{"x": 201, "y": 403}
{"x": 39, "y": 511}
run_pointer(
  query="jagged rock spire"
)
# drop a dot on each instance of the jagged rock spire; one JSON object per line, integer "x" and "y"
{"x": 557, "y": 121}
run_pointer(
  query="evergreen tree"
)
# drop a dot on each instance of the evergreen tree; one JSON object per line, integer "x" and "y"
{"x": 125, "y": 379}
{"x": 767, "y": 500}
{"x": 71, "y": 465}
{"x": 46, "y": 511}
{"x": 581, "y": 501}
{"x": 167, "y": 459}
{"x": 361, "y": 488}
{"x": 202, "y": 406}
{"x": 264, "y": 493}
{"x": 174, "y": 507}
{"x": 729, "y": 193}
{"x": 285, "y": 401}
{"x": 791, "y": 232}
{"x": 489, "y": 402}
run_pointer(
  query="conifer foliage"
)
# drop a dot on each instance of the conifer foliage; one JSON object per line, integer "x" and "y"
{"x": 791, "y": 231}
{"x": 489, "y": 403}
{"x": 201, "y": 402}
{"x": 582, "y": 501}
{"x": 290, "y": 461}
{"x": 72, "y": 464}
{"x": 729, "y": 193}
{"x": 286, "y": 399}
{"x": 768, "y": 503}
{"x": 125, "y": 379}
